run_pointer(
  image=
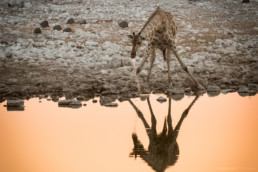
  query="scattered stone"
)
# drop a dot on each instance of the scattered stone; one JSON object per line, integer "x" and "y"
{"x": 70, "y": 21}
{"x": 176, "y": 91}
{"x": 84, "y": 104}
{"x": 67, "y": 29}
{"x": 49, "y": 99}
{"x": 213, "y": 94}
{"x": 44, "y": 24}
{"x": 18, "y": 108}
{"x": 15, "y": 103}
{"x": 37, "y": 30}
{"x": 94, "y": 101}
{"x": 75, "y": 103}
{"x": 243, "y": 89}
{"x": 213, "y": 88}
{"x": 64, "y": 102}
{"x": 227, "y": 91}
{"x": 55, "y": 98}
{"x": 105, "y": 100}
{"x": 246, "y": 1}
{"x": 112, "y": 104}
{"x": 82, "y": 21}
{"x": 57, "y": 27}
{"x": 80, "y": 98}
{"x": 161, "y": 99}
{"x": 123, "y": 24}
{"x": 176, "y": 97}
{"x": 69, "y": 95}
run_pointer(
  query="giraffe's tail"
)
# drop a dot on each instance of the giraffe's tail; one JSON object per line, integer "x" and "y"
{"x": 164, "y": 54}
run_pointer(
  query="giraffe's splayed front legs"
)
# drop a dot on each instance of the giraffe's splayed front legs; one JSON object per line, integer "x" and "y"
{"x": 146, "y": 56}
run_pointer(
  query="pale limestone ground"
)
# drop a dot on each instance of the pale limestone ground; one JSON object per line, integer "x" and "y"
{"x": 217, "y": 40}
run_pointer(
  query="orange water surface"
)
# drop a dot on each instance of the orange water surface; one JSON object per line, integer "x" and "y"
{"x": 219, "y": 134}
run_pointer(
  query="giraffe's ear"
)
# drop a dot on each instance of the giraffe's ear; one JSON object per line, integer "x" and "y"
{"x": 130, "y": 36}
{"x": 142, "y": 38}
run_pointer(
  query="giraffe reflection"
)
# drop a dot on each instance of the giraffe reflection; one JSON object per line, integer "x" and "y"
{"x": 163, "y": 148}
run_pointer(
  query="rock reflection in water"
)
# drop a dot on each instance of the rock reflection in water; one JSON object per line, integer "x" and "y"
{"x": 163, "y": 149}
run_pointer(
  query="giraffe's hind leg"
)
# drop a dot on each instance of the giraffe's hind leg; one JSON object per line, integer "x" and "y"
{"x": 198, "y": 86}
{"x": 153, "y": 56}
{"x": 168, "y": 57}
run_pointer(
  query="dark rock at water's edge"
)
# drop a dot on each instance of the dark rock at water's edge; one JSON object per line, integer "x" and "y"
{"x": 71, "y": 103}
{"x": 161, "y": 99}
{"x": 15, "y": 105}
{"x": 112, "y": 104}
{"x": 213, "y": 88}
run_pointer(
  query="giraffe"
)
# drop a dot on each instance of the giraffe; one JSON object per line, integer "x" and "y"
{"x": 163, "y": 149}
{"x": 160, "y": 31}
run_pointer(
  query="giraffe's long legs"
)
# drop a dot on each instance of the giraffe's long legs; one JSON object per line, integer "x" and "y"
{"x": 168, "y": 63}
{"x": 147, "y": 54}
{"x": 153, "y": 56}
{"x": 169, "y": 118}
{"x": 184, "y": 67}
{"x": 153, "y": 119}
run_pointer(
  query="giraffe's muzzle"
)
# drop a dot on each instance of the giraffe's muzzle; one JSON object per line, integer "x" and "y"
{"x": 133, "y": 54}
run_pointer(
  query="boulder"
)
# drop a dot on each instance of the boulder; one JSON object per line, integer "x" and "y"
{"x": 57, "y": 27}
{"x": 44, "y": 24}
{"x": 213, "y": 88}
{"x": 67, "y": 29}
{"x": 161, "y": 99}
{"x": 15, "y": 103}
{"x": 176, "y": 91}
{"x": 75, "y": 103}
{"x": 83, "y": 21}
{"x": 123, "y": 24}
{"x": 112, "y": 104}
{"x": 37, "y": 30}
{"x": 64, "y": 102}
{"x": 243, "y": 89}
{"x": 70, "y": 21}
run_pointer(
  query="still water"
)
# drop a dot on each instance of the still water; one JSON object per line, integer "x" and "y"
{"x": 201, "y": 134}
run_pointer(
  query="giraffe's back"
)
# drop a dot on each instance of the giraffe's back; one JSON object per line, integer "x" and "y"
{"x": 168, "y": 21}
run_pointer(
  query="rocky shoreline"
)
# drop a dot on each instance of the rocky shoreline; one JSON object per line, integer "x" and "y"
{"x": 216, "y": 40}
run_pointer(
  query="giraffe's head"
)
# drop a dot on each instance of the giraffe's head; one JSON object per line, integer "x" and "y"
{"x": 136, "y": 42}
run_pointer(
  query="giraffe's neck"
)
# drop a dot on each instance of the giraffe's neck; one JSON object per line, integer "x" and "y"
{"x": 152, "y": 24}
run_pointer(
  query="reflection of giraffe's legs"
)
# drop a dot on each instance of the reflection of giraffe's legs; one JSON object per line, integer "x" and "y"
{"x": 168, "y": 63}
{"x": 147, "y": 54}
{"x": 184, "y": 66}
{"x": 153, "y": 119}
{"x": 153, "y": 55}
{"x": 185, "y": 113}
{"x": 140, "y": 114}
{"x": 169, "y": 118}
